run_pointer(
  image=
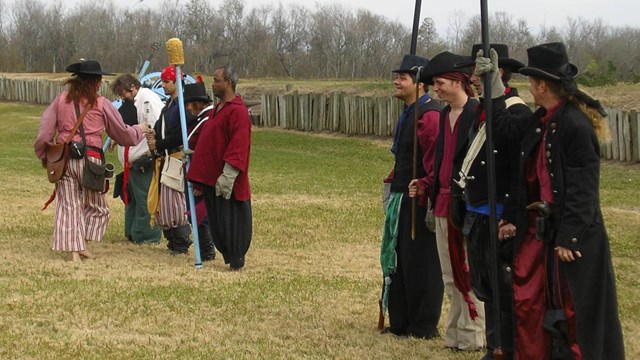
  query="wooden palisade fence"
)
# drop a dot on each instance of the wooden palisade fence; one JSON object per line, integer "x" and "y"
{"x": 357, "y": 115}
{"x": 334, "y": 112}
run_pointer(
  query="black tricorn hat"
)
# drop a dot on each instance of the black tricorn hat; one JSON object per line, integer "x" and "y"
{"x": 88, "y": 67}
{"x": 504, "y": 61}
{"x": 411, "y": 63}
{"x": 549, "y": 61}
{"x": 195, "y": 92}
{"x": 445, "y": 62}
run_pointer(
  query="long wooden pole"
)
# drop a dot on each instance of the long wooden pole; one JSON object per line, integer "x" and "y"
{"x": 491, "y": 188}
{"x": 412, "y": 51}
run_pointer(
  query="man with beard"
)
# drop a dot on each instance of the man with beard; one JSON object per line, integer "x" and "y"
{"x": 220, "y": 165}
{"x": 137, "y": 160}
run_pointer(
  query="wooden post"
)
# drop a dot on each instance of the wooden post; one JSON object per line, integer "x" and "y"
{"x": 635, "y": 135}
{"x": 613, "y": 120}
{"x": 626, "y": 134}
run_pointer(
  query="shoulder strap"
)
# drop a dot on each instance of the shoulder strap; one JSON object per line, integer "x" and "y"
{"x": 79, "y": 122}
{"x": 514, "y": 100}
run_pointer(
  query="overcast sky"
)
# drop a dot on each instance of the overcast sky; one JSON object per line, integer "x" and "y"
{"x": 536, "y": 12}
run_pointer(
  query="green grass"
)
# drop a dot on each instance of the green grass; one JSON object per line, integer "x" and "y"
{"x": 312, "y": 279}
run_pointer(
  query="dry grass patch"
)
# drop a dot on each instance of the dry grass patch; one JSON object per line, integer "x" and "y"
{"x": 309, "y": 290}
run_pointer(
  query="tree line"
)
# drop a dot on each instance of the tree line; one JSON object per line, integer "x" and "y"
{"x": 326, "y": 41}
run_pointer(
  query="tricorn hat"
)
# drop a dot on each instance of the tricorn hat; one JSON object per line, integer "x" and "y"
{"x": 549, "y": 61}
{"x": 88, "y": 67}
{"x": 195, "y": 92}
{"x": 445, "y": 62}
{"x": 411, "y": 63}
{"x": 504, "y": 61}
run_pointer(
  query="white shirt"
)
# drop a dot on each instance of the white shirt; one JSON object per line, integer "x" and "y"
{"x": 149, "y": 106}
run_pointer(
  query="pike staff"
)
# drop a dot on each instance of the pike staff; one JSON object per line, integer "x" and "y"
{"x": 176, "y": 58}
{"x": 491, "y": 187}
{"x": 412, "y": 51}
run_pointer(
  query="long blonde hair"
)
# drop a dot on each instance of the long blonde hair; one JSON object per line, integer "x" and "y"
{"x": 600, "y": 123}
{"x": 592, "y": 111}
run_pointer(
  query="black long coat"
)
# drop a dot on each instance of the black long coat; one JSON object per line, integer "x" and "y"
{"x": 506, "y": 162}
{"x": 573, "y": 155}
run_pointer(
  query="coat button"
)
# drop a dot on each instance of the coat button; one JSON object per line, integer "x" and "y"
{"x": 554, "y": 125}
{"x": 506, "y": 196}
{"x": 551, "y": 174}
{"x": 574, "y": 240}
{"x": 548, "y": 153}
{"x": 548, "y": 146}
{"x": 538, "y": 131}
{"x": 507, "y": 269}
{"x": 482, "y": 163}
{"x": 522, "y": 153}
{"x": 555, "y": 191}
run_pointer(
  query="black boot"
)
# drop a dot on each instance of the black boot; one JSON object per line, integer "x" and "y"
{"x": 207, "y": 250}
{"x": 181, "y": 240}
{"x": 168, "y": 234}
{"x": 236, "y": 263}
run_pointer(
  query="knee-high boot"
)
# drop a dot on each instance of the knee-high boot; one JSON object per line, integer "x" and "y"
{"x": 207, "y": 250}
{"x": 181, "y": 239}
{"x": 168, "y": 234}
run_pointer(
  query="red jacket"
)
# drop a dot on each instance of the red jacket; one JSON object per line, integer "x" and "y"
{"x": 225, "y": 137}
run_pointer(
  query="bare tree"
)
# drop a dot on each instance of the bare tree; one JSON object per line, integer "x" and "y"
{"x": 28, "y": 17}
{"x": 327, "y": 41}
{"x": 547, "y": 35}
{"x": 198, "y": 18}
{"x": 290, "y": 32}
{"x": 330, "y": 38}
{"x": 522, "y": 39}
{"x": 231, "y": 14}
{"x": 172, "y": 19}
{"x": 455, "y": 30}
{"x": 257, "y": 40}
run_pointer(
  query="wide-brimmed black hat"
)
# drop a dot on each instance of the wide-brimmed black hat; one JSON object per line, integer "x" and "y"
{"x": 445, "y": 62}
{"x": 88, "y": 67}
{"x": 549, "y": 61}
{"x": 411, "y": 63}
{"x": 196, "y": 92}
{"x": 504, "y": 61}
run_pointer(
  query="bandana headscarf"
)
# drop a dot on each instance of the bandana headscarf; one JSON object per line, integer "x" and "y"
{"x": 464, "y": 78}
{"x": 169, "y": 73}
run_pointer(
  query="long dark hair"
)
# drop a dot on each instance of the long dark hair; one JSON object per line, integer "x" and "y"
{"x": 83, "y": 86}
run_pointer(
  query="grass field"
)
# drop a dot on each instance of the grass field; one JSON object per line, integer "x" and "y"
{"x": 311, "y": 283}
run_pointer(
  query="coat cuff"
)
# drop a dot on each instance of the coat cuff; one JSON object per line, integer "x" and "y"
{"x": 570, "y": 237}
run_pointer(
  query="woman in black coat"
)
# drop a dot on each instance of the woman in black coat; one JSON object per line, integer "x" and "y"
{"x": 564, "y": 288}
